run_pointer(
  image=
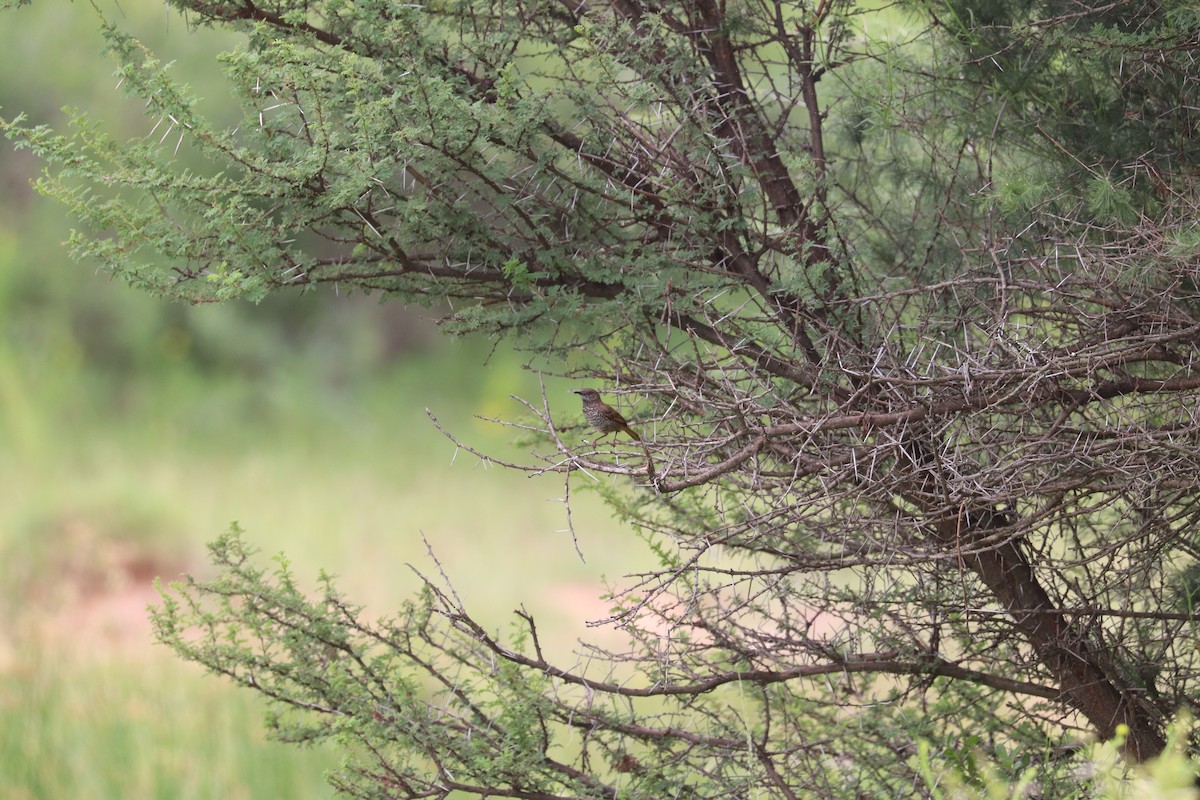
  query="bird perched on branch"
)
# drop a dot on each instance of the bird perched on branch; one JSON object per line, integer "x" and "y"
{"x": 603, "y": 417}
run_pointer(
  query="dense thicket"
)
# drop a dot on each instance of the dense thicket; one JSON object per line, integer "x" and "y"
{"x": 904, "y": 301}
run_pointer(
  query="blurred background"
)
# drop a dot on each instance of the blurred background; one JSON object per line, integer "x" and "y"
{"x": 134, "y": 430}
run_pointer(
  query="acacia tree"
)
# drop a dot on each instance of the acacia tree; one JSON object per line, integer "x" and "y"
{"x": 905, "y": 304}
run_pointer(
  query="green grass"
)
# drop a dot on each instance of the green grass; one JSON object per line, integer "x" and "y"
{"x": 143, "y": 728}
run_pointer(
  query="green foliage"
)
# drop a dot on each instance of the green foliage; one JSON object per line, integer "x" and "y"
{"x": 1109, "y": 203}
{"x": 380, "y": 690}
{"x": 332, "y": 137}
{"x": 1098, "y": 772}
{"x": 907, "y": 346}
{"x": 1096, "y": 85}
{"x": 1022, "y": 190}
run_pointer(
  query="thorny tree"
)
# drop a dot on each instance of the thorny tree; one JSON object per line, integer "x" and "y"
{"x": 905, "y": 303}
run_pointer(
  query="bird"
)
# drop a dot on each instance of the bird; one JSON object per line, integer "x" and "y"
{"x": 603, "y": 417}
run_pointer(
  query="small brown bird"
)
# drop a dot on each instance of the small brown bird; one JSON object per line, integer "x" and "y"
{"x": 603, "y": 417}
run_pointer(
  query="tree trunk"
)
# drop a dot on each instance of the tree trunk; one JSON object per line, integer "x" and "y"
{"x": 1060, "y": 645}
